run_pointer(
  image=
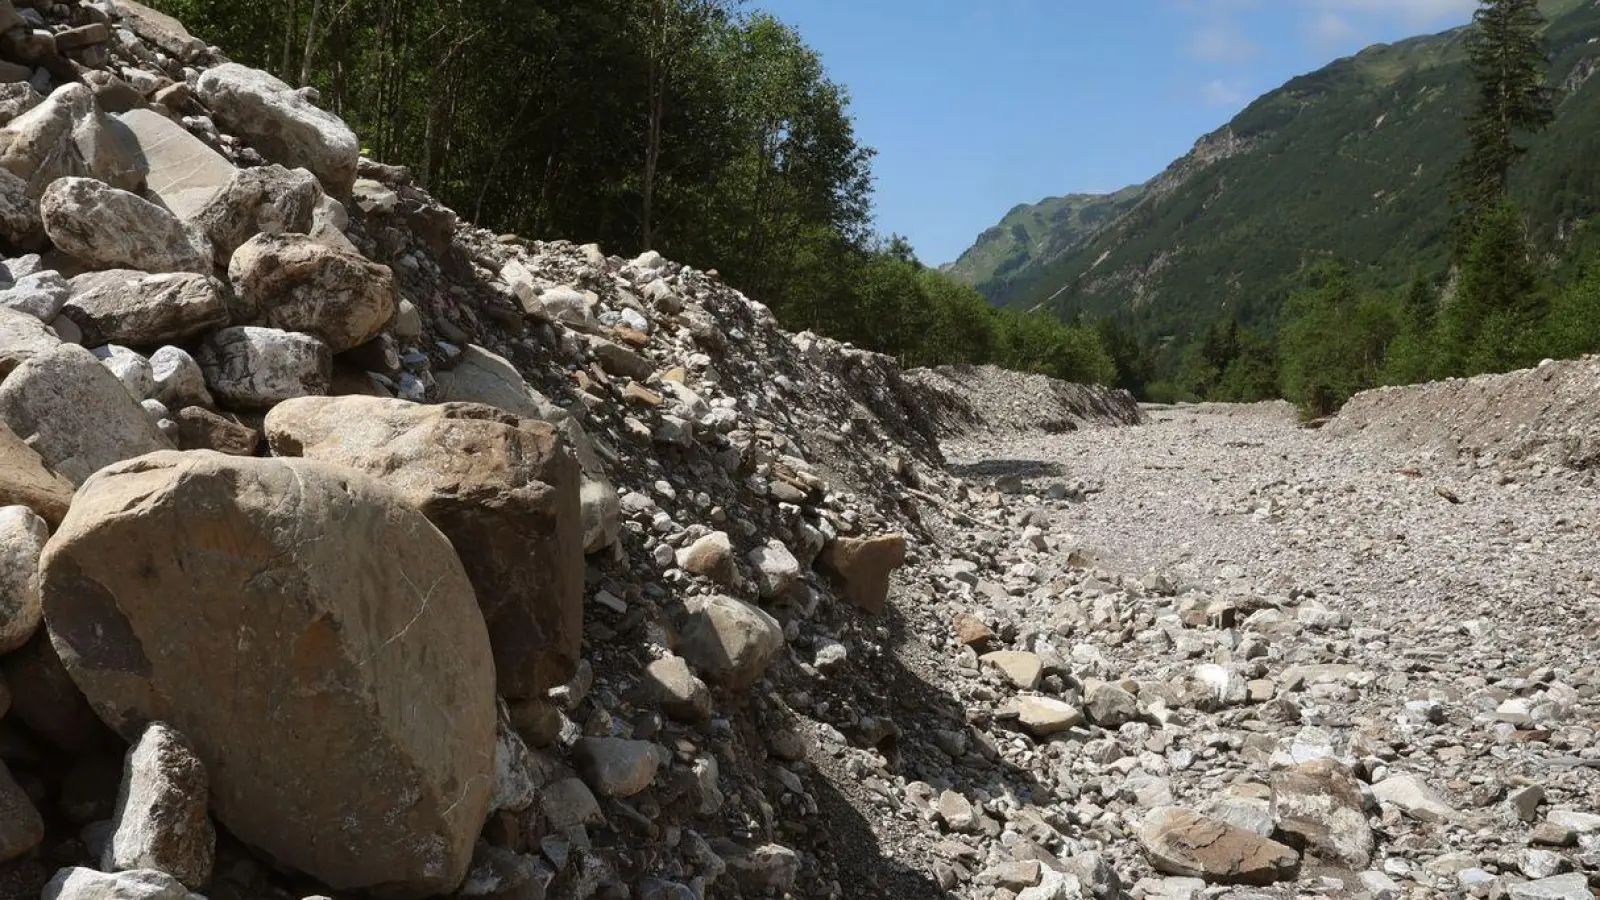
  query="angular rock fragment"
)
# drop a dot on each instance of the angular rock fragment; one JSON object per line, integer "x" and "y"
{"x": 711, "y": 557}
{"x": 1024, "y": 670}
{"x": 202, "y": 429}
{"x": 1415, "y": 798}
{"x": 26, "y": 481}
{"x": 177, "y": 572}
{"x": 731, "y": 642}
{"x": 160, "y": 821}
{"x": 863, "y": 566}
{"x": 616, "y": 767}
{"x": 262, "y": 200}
{"x": 1319, "y": 806}
{"x": 1183, "y": 842}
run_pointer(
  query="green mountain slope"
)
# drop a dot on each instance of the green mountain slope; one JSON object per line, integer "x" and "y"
{"x": 1352, "y": 161}
{"x": 1031, "y": 236}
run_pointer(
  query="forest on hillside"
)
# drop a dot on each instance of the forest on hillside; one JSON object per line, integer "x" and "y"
{"x": 709, "y": 131}
{"x": 703, "y": 129}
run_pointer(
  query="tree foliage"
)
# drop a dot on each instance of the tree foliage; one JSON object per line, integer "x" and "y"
{"x": 693, "y": 127}
{"x": 1508, "y": 64}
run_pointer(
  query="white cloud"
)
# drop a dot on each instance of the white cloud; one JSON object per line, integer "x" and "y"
{"x": 1223, "y": 44}
{"x": 1223, "y": 92}
{"x": 1331, "y": 29}
{"x": 1418, "y": 13}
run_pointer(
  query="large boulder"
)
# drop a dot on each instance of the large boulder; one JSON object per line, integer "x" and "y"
{"x": 484, "y": 377}
{"x": 862, "y": 567}
{"x": 182, "y": 171}
{"x": 160, "y": 820}
{"x": 138, "y": 309}
{"x": 296, "y": 283}
{"x": 312, "y": 635}
{"x": 107, "y": 228}
{"x": 282, "y": 124}
{"x": 75, "y": 414}
{"x": 257, "y": 368}
{"x": 160, "y": 29}
{"x": 502, "y": 488}
{"x": 731, "y": 642}
{"x": 26, "y": 481}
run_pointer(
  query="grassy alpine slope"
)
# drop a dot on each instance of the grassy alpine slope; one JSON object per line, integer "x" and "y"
{"x": 1350, "y": 162}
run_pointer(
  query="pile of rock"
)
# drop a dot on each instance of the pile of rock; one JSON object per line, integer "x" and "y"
{"x": 347, "y": 542}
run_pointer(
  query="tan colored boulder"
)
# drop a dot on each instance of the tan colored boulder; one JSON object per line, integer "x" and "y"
{"x": 202, "y": 429}
{"x": 1185, "y": 843}
{"x": 483, "y": 377}
{"x": 296, "y": 283}
{"x": 971, "y": 630}
{"x": 26, "y": 481}
{"x": 182, "y": 171}
{"x": 502, "y": 488}
{"x": 1044, "y": 716}
{"x": 312, "y": 635}
{"x": 863, "y": 566}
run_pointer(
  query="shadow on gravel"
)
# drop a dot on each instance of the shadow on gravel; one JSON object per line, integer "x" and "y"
{"x": 1001, "y": 468}
{"x": 876, "y": 693}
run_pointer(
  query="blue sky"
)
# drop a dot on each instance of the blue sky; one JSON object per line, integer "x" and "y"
{"x": 975, "y": 106}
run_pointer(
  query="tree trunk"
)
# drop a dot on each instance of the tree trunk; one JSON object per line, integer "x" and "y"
{"x": 311, "y": 44}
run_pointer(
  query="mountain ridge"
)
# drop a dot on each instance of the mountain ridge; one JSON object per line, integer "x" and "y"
{"x": 1224, "y": 229}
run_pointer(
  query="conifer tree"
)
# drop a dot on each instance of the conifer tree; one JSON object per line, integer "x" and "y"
{"x": 1509, "y": 67}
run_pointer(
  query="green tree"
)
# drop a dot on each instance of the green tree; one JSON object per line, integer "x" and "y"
{"x": 1410, "y": 357}
{"x": 1334, "y": 340}
{"x": 1509, "y": 67}
{"x": 1493, "y": 323}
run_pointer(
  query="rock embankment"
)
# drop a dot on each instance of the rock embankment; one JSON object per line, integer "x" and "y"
{"x": 1543, "y": 417}
{"x": 960, "y": 400}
